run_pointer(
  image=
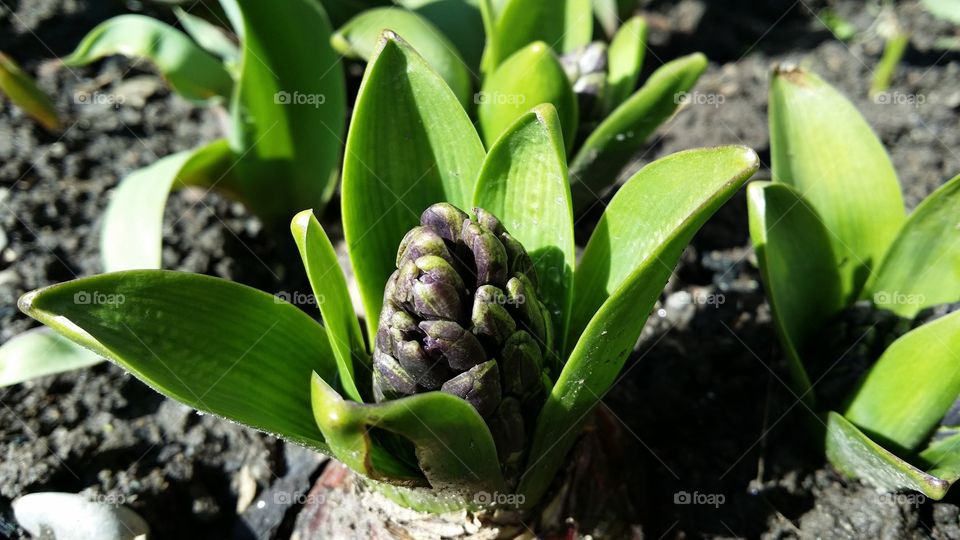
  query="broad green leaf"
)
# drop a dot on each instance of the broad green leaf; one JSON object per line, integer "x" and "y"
{"x": 453, "y": 445}
{"x": 622, "y": 271}
{"x": 330, "y": 292}
{"x": 824, "y": 148}
{"x": 358, "y": 39}
{"x": 911, "y": 387}
{"x": 23, "y": 91}
{"x": 609, "y": 149}
{"x": 192, "y": 72}
{"x": 215, "y": 345}
{"x": 922, "y": 267}
{"x": 132, "y": 234}
{"x": 943, "y": 458}
{"x": 209, "y": 36}
{"x": 524, "y": 182}
{"x": 528, "y": 78}
{"x": 856, "y": 455}
{"x": 459, "y": 20}
{"x": 40, "y": 352}
{"x": 625, "y": 60}
{"x": 410, "y": 145}
{"x": 564, "y": 25}
{"x": 948, "y": 10}
{"x": 289, "y": 110}
{"x": 799, "y": 271}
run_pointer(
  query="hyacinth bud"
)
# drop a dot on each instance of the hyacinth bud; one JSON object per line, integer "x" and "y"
{"x": 461, "y": 315}
{"x": 586, "y": 68}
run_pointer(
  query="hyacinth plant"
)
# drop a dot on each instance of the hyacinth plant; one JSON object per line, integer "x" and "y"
{"x": 486, "y": 343}
{"x": 274, "y": 69}
{"x": 502, "y": 57}
{"x": 864, "y": 296}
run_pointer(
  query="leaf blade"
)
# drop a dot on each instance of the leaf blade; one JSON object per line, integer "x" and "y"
{"x": 410, "y": 145}
{"x": 565, "y": 25}
{"x": 39, "y": 352}
{"x": 618, "y": 281}
{"x": 626, "y": 60}
{"x": 822, "y": 146}
{"x": 23, "y": 91}
{"x": 212, "y": 360}
{"x": 923, "y": 263}
{"x": 190, "y": 70}
{"x": 330, "y": 290}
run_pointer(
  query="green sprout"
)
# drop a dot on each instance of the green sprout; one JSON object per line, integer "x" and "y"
{"x": 487, "y": 343}
{"x": 533, "y": 52}
{"x": 864, "y": 297}
{"x": 23, "y": 92}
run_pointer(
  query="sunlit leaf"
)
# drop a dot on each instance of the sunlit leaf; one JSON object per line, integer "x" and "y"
{"x": 40, "y": 352}
{"x": 922, "y": 267}
{"x": 358, "y": 39}
{"x": 289, "y": 110}
{"x": 563, "y": 24}
{"x": 459, "y": 20}
{"x": 191, "y": 71}
{"x": 528, "y": 78}
{"x": 822, "y": 146}
{"x": 622, "y": 271}
{"x": 240, "y": 353}
{"x": 132, "y": 233}
{"x": 21, "y": 89}
{"x": 332, "y": 297}
{"x": 616, "y": 140}
{"x": 625, "y": 60}
{"x": 410, "y": 145}
{"x": 911, "y": 386}
{"x": 209, "y": 36}
{"x": 799, "y": 271}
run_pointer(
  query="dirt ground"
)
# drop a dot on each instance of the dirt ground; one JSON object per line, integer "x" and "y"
{"x": 702, "y": 408}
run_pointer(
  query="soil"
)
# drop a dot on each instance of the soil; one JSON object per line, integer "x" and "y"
{"x": 701, "y": 409}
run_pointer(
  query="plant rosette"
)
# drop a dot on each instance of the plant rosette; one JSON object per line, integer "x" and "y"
{"x": 480, "y": 363}
{"x": 863, "y": 295}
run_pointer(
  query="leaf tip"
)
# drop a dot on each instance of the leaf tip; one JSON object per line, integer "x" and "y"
{"x": 25, "y": 303}
{"x": 792, "y": 73}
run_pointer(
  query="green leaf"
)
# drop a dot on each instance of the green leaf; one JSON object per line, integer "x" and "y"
{"x": 799, "y": 271}
{"x": 922, "y": 265}
{"x": 625, "y": 60}
{"x": 911, "y": 386}
{"x": 459, "y": 20}
{"x": 358, "y": 39}
{"x": 215, "y": 345}
{"x": 40, "y": 352}
{"x": 452, "y": 442}
{"x": 342, "y": 10}
{"x": 528, "y": 78}
{"x": 564, "y": 24}
{"x": 822, "y": 146}
{"x": 948, "y": 10}
{"x": 943, "y": 458}
{"x": 524, "y": 182}
{"x": 24, "y": 93}
{"x": 132, "y": 234}
{"x": 886, "y": 68}
{"x": 622, "y": 271}
{"x": 209, "y": 36}
{"x": 410, "y": 145}
{"x": 616, "y": 140}
{"x": 289, "y": 110}
{"x": 331, "y": 294}
{"x": 856, "y": 455}
{"x": 607, "y": 13}
{"x": 191, "y": 71}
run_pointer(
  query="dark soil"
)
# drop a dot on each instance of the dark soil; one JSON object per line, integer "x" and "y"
{"x": 703, "y": 407}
